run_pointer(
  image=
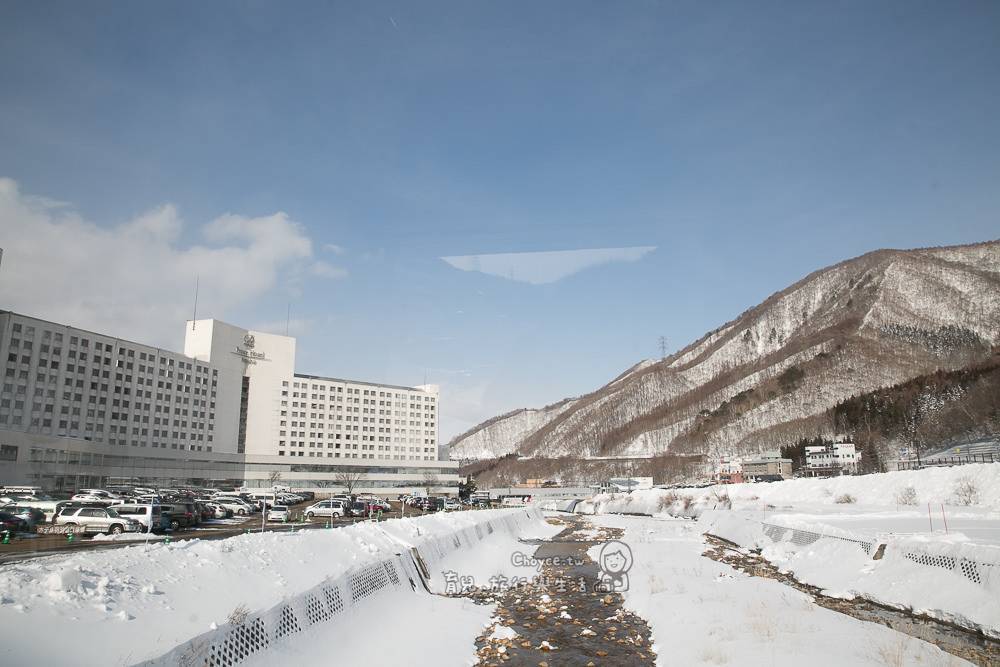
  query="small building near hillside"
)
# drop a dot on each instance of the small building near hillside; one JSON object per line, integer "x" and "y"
{"x": 769, "y": 465}
{"x": 841, "y": 458}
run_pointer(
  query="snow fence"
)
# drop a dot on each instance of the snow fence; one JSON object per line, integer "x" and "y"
{"x": 328, "y": 602}
{"x": 979, "y": 564}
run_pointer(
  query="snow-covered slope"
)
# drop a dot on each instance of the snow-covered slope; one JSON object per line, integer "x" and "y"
{"x": 503, "y": 435}
{"x": 865, "y": 323}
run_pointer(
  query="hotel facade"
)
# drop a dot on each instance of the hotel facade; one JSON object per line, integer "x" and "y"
{"x": 80, "y": 409}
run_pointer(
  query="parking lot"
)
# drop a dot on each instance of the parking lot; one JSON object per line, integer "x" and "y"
{"x": 24, "y": 545}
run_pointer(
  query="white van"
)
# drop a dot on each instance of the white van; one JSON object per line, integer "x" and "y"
{"x": 264, "y": 498}
{"x": 149, "y": 516}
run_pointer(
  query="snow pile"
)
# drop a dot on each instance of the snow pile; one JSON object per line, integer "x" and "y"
{"x": 146, "y": 599}
{"x": 705, "y": 612}
{"x": 843, "y": 570}
{"x": 398, "y": 628}
{"x": 942, "y": 576}
{"x": 975, "y": 485}
{"x": 499, "y": 561}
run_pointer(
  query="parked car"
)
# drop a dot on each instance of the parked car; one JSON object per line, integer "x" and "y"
{"x": 181, "y": 515}
{"x": 152, "y": 517}
{"x": 327, "y": 508}
{"x": 451, "y": 504}
{"x": 358, "y": 509}
{"x": 98, "y": 520}
{"x": 32, "y": 516}
{"x": 204, "y": 512}
{"x": 94, "y": 496}
{"x": 278, "y": 513}
{"x": 12, "y": 522}
{"x": 306, "y": 495}
{"x": 237, "y": 506}
{"x": 218, "y": 511}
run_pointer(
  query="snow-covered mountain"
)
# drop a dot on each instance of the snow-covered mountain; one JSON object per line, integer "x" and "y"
{"x": 765, "y": 378}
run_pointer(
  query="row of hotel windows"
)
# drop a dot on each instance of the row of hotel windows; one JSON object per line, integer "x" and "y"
{"x": 28, "y": 331}
{"x": 400, "y": 399}
{"x": 21, "y": 365}
{"x": 48, "y": 400}
{"x": 367, "y": 438}
{"x": 351, "y": 390}
{"x": 364, "y": 448}
{"x": 77, "y": 363}
{"x": 354, "y": 455}
{"x": 400, "y": 424}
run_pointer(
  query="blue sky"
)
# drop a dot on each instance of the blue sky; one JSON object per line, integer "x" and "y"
{"x": 748, "y": 143}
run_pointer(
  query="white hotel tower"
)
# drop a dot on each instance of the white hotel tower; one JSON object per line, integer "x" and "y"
{"x": 81, "y": 409}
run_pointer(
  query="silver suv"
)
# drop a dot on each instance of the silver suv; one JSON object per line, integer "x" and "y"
{"x": 328, "y": 508}
{"x": 98, "y": 520}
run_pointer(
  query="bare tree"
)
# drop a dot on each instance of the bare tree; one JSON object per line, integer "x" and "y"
{"x": 429, "y": 479}
{"x": 348, "y": 479}
{"x": 274, "y": 477}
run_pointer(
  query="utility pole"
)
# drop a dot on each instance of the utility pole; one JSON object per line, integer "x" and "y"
{"x": 194, "y": 316}
{"x": 663, "y": 347}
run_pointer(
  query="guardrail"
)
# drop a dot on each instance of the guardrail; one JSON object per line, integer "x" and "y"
{"x": 241, "y": 638}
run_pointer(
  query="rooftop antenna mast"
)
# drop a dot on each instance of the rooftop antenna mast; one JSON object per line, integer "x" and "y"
{"x": 194, "y": 316}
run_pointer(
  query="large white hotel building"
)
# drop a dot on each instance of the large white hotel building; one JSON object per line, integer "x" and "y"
{"x": 81, "y": 409}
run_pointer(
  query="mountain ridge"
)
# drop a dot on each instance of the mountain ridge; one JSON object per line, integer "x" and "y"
{"x": 871, "y": 321}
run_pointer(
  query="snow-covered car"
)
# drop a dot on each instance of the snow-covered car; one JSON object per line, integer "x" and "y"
{"x": 278, "y": 513}
{"x": 327, "y": 508}
{"x": 98, "y": 520}
{"x": 96, "y": 497}
{"x": 238, "y": 506}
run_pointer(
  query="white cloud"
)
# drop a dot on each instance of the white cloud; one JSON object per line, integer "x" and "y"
{"x": 136, "y": 279}
{"x": 334, "y": 248}
{"x": 327, "y": 270}
{"x": 539, "y": 268}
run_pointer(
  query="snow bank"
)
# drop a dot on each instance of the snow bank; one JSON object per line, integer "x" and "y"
{"x": 143, "y": 600}
{"x": 413, "y": 624}
{"x": 843, "y": 570}
{"x": 930, "y": 485}
{"x": 941, "y": 576}
{"x": 702, "y": 612}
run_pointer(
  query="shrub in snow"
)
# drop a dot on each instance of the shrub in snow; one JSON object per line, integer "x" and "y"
{"x": 239, "y": 615}
{"x": 687, "y": 501}
{"x": 722, "y": 500}
{"x": 907, "y": 496}
{"x": 845, "y": 499}
{"x": 966, "y": 492}
{"x": 666, "y": 501}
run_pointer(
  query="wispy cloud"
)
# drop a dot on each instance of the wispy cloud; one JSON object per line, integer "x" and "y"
{"x": 539, "y": 268}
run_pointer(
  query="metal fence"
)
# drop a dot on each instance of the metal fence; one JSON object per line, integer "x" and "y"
{"x": 327, "y": 602}
{"x": 980, "y": 567}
